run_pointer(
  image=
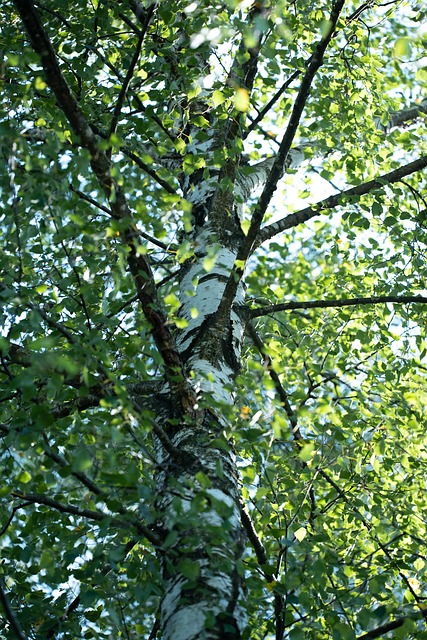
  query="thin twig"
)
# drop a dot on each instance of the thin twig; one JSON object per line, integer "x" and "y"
{"x": 14, "y": 510}
{"x": 83, "y": 196}
{"x": 93, "y": 202}
{"x": 274, "y": 376}
{"x": 129, "y": 75}
{"x": 148, "y": 170}
{"x": 53, "y": 324}
{"x": 271, "y": 103}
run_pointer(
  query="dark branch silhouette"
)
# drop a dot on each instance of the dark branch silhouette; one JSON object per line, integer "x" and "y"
{"x": 328, "y": 304}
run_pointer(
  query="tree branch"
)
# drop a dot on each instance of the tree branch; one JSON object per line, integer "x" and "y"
{"x": 52, "y": 323}
{"x": 271, "y": 103}
{"x": 278, "y": 166}
{"x": 93, "y": 202}
{"x": 385, "y": 628}
{"x": 129, "y": 75}
{"x": 148, "y": 170}
{"x": 14, "y": 510}
{"x": 139, "y": 10}
{"x": 88, "y": 514}
{"x": 398, "y": 118}
{"x": 257, "y": 545}
{"x": 294, "y": 219}
{"x": 10, "y": 614}
{"x": 327, "y": 304}
{"x": 138, "y": 262}
{"x": 90, "y": 200}
{"x": 289, "y": 135}
{"x": 82, "y": 477}
{"x": 283, "y": 396}
{"x": 299, "y": 442}
{"x": 76, "y": 601}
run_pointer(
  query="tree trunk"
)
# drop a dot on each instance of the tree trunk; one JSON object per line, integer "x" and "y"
{"x": 198, "y": 505}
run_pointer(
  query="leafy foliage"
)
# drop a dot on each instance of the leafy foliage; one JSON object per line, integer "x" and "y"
{"x": 327, "y": 423}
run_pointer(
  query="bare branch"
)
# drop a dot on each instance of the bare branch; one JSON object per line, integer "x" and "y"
{"x": 294, "y": 219}
{"x": 327, "y": 304}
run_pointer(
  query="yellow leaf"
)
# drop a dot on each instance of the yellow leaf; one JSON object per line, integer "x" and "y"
{"x": 300, "y": 534}
{"x": 245, "y": 413}
{"x": 271, "y": 585}
{"x": 241, "y": 99}
{"x": 40, "y": 84}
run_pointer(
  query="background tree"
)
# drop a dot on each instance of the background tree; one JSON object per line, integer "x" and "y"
{"x": 213, "y": 389}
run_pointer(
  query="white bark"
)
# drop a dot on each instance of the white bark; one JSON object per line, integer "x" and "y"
{"x": 254, "y": 177}
{"x": 403, "y": 117}
{"x": 213, "y": 600}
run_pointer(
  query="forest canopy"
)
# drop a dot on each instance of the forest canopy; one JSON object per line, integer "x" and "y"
{"x": 213, "y": 228}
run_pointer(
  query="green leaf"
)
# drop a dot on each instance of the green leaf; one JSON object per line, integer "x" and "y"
{"x": 402, "y": 48}
{"x": 342, "y": 631}
{"x": 82, "y": 460}
{"x": 24, "y": 477}
{"x": 218, "y": 98}
{"x": 307, "y": 452}
{"x": 189, "y": 569}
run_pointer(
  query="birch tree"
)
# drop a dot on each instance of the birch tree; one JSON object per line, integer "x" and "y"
{"x": 213, "y": 221}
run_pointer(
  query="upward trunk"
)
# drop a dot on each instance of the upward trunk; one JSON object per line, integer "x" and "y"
{"x": 198, "y": 505}
{"x": 198, "y": 502}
